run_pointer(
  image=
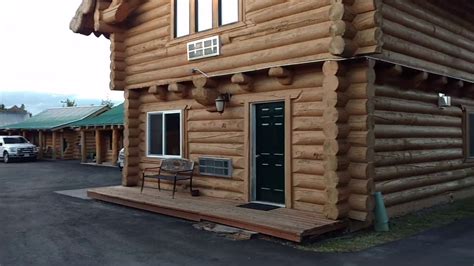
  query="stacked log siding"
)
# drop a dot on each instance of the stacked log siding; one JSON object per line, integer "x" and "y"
{"x": 359, "y": 107}
{"x": 90, "y": 142}
{"x": 71, "y": 150}
{"x": 360, "y": 82}
{"x": 263, "y": 38}
{"x": 418, "y": 149}
{"x": 130, "y": 174}
{"x": 426, "y": 36}
{"x": 227, "y": 136}
{"x": 270, "y": 33}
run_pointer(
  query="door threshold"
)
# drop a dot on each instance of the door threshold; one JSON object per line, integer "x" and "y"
{"x": 269, "y": 203}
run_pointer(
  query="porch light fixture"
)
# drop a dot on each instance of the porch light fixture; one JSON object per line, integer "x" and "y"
{"x": 221, "y": 100}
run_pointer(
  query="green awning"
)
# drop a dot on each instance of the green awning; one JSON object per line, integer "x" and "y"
{"x": 56, "y": 118}
{"x": 112, "y": 117}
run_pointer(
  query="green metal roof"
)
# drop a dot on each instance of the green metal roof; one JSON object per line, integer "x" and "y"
{"x": 112, "y": 117}
{"x": 55, "y": 118}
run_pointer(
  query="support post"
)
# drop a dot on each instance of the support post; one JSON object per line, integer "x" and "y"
{"x": 83, "y": 146}
{"x": 61, "y": 144}
{"x": 115, "y": 144}
{"x": 40, "y": 144}
{"x": 53, "y": 154}
{"x": 98, "y": 146}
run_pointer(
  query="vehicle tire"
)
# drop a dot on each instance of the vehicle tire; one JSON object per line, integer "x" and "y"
{"x": 6, "y": 157}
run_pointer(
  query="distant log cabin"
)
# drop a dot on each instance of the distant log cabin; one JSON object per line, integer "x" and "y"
{"x": 50, "y": 130}
{"x": 329, "y": 100}
{"x": 101, "y": 137}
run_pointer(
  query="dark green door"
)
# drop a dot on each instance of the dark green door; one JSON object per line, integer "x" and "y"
{"x": 270, "y": 152}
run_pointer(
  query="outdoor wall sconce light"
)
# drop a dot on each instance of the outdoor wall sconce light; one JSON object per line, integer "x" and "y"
{"x": 221, "y": 100}
{"x": 443, "y": 101}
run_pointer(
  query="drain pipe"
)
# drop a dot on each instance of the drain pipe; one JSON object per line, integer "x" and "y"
{"x": 381, "y": 217}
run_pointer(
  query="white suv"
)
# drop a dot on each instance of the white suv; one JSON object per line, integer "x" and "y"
{"x": 16, "y": 147}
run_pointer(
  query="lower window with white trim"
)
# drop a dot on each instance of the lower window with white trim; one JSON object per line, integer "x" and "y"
{"x": 164, "y": 134}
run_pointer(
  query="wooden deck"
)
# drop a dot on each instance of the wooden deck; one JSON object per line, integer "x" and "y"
{"x": 283, "y": 223}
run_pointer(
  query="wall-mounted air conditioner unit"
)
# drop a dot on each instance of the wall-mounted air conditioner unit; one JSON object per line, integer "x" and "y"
{"x": 215, "y": 166}
{"x": 203, "y": 48}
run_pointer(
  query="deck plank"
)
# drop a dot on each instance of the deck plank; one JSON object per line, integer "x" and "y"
{"x": 283, "y": 223}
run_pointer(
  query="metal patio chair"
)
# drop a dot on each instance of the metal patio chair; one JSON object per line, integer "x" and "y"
{"x": 172, "y": 170}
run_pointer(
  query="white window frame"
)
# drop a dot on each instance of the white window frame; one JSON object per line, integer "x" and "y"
{"x": 193, "y": 18}
{"x": 180, "y": 112}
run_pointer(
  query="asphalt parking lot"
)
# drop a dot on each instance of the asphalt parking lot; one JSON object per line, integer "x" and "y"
{"x": 41, "y": 227}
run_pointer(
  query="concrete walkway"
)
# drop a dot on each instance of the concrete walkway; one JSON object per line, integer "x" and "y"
{"x": 41, "y": 227}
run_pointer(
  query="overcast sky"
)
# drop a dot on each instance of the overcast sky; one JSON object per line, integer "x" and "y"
{"x": 38, "y": 53}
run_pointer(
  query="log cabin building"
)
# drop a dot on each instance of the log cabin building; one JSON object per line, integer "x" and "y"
{"x": 101, "y": 137}
{"x": 326, "y": 101}
{"x": 50, "y": 130}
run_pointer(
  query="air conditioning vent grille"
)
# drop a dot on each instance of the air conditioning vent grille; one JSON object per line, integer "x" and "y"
{"x": 215, "y": 166}
{"x": 203, "y": 48}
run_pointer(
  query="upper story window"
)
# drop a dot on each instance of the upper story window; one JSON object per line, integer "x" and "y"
{"x": 181, "y": 18}
{"x": 204, "y": 16}
{"x": 191, "y": 16}
{"x": 228, "y": 11}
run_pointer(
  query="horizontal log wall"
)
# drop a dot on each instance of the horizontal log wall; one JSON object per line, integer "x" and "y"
{"x": 106, "y": 151}
{"x": 56, "y": 144}
{"x": 420, "y": 34}
{"x": 117, "y": 65}
{"x": 271, "y": 33}
{"x": 131, "y": 134}
{"x": 90, "y": 143}
{"x": 283, "y": 32}
{"x": 72, "y": 151}
{"x": 360, "y": 105}
{"x": 307, "y": 162}
{"x": 77, "y": 150}
{"x": 226, "y": 136}
{"x": 355, "y": 27}
{"x": 418, "y": 149}
{"x": 48, "y": 141}
{"x": 348, "y": 147}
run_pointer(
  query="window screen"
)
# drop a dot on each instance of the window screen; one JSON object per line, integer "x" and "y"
{"x": 172, "y": 134}
{"x": 181, "y": 19}
{"x": 191, "y": 16}
{"x": 155, "y": 134}
{"x": 203, "y": 15}
{"x": 228, "y": 11}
